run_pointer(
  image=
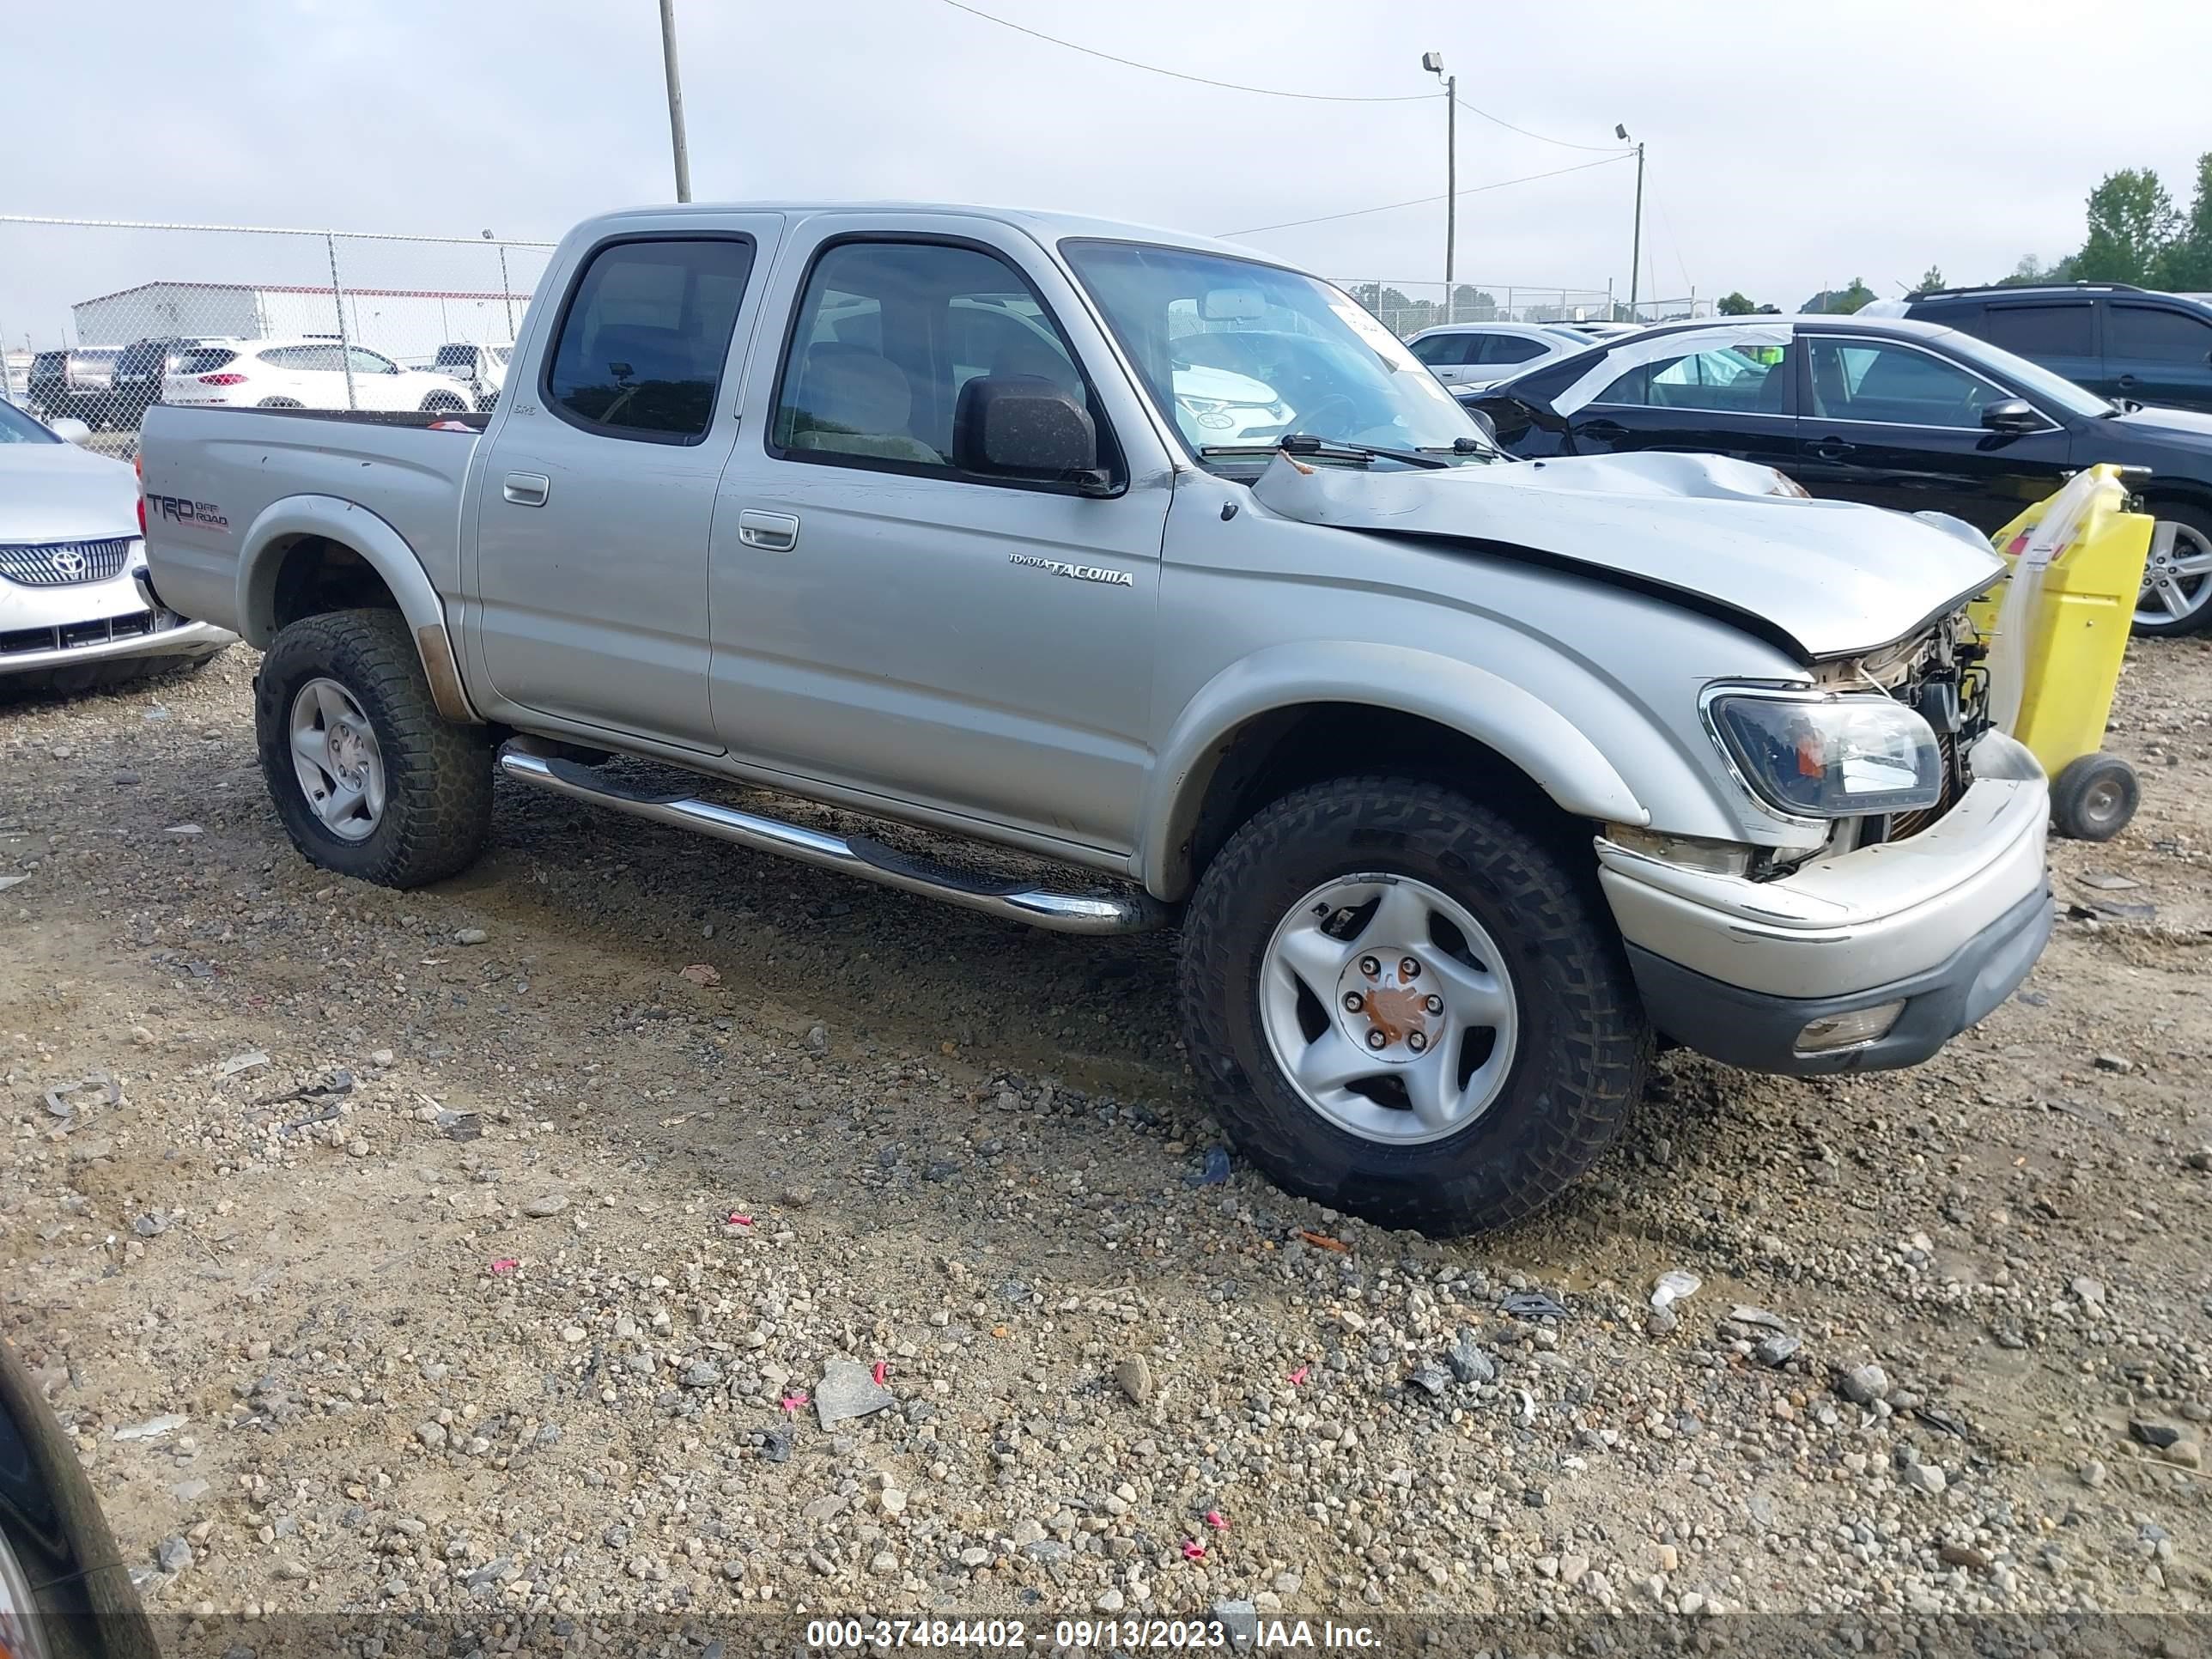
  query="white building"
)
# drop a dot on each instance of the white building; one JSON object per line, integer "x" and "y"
{"x": 399, "y": 322}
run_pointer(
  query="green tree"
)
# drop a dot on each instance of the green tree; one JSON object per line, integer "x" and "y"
{"x": 2187, "y": 262}
{"x": 1930, "y": 278}
{"x": 1734, "y": 305}
{"x": 2132, "y": 224}
{"x": 1841, "y": 302}
{"x": 2032, "y": 271}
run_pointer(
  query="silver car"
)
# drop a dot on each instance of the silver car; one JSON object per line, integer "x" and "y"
{"x": 73, "y": 610}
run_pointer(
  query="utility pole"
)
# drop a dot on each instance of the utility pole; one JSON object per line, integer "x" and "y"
{"x": 1636, "y": 240}
{"x": 1434, "y": 63}
{"x": 675, "y": 100}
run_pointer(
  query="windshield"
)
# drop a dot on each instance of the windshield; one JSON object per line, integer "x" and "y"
{"x": 1327, "y": 366}
{"x": 17, "y": 428}
{"x": 2032, "y": 379}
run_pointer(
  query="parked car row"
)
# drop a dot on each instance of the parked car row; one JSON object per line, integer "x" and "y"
{"x": 1891, "y": 412}
{"x": 110, "y": 388}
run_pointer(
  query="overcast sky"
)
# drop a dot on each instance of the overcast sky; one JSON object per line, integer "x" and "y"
{"x": 1785, "y": 155}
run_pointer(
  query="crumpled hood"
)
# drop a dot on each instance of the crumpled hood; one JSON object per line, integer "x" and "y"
{"x": 1829, "y": 578}
{"x": 60, "y": 493}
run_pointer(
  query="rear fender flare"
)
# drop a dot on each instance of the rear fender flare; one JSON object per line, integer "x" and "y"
{"x": 285, "y": 521}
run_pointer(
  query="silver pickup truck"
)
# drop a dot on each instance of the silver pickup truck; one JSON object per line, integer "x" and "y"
{"x": 1466, "y": 779}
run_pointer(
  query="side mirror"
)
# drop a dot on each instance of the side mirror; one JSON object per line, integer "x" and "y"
{"x": 1024, "y": 425}
{"x": 69, "y": 430}
{"x": 2013, "y": 415}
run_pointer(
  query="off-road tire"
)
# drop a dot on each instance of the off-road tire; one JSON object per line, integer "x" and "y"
{"x": 437, "y": 813}
{"x": 1583, "y": 1047}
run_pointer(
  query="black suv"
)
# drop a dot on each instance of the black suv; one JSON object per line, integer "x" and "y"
{"x": 2121, "y": 341}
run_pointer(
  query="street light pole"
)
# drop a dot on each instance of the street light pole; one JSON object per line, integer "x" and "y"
{"x": 1434, "y": 63}
{"x": 675, "y": 100}
{"x": 1636, "y": 240}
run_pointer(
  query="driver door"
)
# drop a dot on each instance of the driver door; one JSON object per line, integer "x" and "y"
{"x": 1705, "y": 391}
{"x": 1895, "y": 424}
{"x": 886, "y": 623}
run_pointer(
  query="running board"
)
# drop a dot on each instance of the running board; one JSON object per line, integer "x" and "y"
{"x": 871, "y": 860}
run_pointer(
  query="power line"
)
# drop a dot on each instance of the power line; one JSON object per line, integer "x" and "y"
{"x": 1420, "y": 201}
{"x": 1499, "y": 120}
{"x": 1203, "y": 80}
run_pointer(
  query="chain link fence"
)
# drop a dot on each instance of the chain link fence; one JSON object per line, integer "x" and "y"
{"x": 99, "y": 319}
{"x": 1407, "y": 308}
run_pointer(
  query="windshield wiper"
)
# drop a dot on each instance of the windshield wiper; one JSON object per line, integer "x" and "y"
{"x": 1332, "y": 449}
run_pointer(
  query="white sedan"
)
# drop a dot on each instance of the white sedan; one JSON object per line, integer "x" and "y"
{"x": 307, "y": 373}
{"x": 75, "y": 610}
{"x": 1463, "y": 355}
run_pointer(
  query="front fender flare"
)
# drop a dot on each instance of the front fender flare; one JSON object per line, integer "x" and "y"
{"x": 1527, "y": 732}
{"x": 291, "y": 519}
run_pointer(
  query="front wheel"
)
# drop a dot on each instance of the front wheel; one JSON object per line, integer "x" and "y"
{"x": 369, "y": 780}
{"x": 1408, "y": 1007}
{"x": 2176, "y": 587}
{"x": 443, "y": 403}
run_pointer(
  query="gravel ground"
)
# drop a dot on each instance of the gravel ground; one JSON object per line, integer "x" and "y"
{"x": 505, "y": 1247}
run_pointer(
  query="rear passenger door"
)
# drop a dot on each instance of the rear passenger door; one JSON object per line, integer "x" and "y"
{"x": 595, "y": 492}
{"x": 889, "y": 625}
{"x": 1716, "y": 391}
{"x": 2159, "y": 355}
{"x": 2059, "y": 335}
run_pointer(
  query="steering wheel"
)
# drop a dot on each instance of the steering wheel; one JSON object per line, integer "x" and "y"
{"x": 1310, "y": 420}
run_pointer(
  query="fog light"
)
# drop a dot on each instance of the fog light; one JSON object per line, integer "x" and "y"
{"x": 1830, "y": 1032}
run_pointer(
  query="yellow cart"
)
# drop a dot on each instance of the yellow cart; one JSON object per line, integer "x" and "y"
{"x": 2058, "y": 633}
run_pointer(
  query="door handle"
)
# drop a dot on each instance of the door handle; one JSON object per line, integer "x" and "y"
{"x": 527, "y": 489}
{"x": 1833, "y": 449}
{"x": 1609, "y": 431}
{"x": 2126, "y": 383}
{"x": 772, "y": 532}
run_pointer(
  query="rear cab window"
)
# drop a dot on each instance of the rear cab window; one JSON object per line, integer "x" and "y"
{"x": 644, "y": 340}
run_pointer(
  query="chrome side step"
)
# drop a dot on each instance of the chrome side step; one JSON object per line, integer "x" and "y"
{"x": 871, "y": 860}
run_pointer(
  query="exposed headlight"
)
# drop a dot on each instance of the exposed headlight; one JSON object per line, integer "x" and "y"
{"x": 1200, "y": 406}
{"x": 1818, "y": 757}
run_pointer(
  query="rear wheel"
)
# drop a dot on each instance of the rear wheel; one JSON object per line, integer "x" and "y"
{"x": 369, "y": 780}
{"x": 2177, "y": 590}
{"x": 278, "y": 403}
{"x": 443, "y": 403}
{"x": 1408, "y": 1007}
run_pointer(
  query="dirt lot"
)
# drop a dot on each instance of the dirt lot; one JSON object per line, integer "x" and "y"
{"x": 483, "y": 1248}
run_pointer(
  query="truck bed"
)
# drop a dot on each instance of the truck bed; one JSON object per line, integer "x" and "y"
{"x": 210, "y": 474}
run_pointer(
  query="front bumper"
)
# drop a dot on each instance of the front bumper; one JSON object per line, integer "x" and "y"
{"x": 43, "y": 628}
{"x": 1949, "y": 923}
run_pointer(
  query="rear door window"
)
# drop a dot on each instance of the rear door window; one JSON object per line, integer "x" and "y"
{"x": 1727, "y": 379}
{"x": 1509, "y": 348}
{"x": 646, "y": 336}
{"x": 2038, "y": 332}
